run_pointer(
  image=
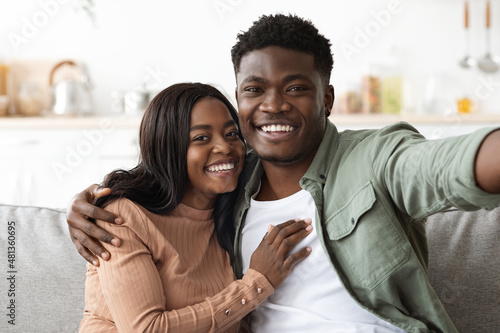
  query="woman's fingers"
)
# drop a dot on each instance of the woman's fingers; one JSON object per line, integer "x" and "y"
{"x": 295, "y": 258}
{"x": 272, "y": 258}
{"x": 288, "y": 243}
{"x": 285, "y": 229}
{"x": 273, "y": 231}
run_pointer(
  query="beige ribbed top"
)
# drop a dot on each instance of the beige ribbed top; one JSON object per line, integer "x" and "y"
{"x": 168, "y": 275}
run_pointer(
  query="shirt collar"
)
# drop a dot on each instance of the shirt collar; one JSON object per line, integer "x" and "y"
{"x": 320, "y": 165}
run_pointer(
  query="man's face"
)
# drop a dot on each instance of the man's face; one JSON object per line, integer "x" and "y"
{"x": 281, "y": 102}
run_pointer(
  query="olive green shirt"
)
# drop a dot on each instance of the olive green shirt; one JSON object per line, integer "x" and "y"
{"x": 373, "y": 190}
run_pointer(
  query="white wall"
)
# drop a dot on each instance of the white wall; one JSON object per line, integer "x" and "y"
{"x": 190, "y": 40}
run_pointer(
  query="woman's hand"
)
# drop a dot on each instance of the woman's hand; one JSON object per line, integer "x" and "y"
{"x": 86, "y": 234}
{"x": 272, "y": 259}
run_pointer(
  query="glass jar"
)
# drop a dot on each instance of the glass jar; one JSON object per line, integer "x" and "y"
{"x": 29, "y": 100}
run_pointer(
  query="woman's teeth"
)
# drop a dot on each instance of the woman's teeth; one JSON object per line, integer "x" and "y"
{"x": 221, "y": 167}
{"x": 277, "y": 128}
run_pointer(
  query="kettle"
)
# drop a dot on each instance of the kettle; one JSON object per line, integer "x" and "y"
{"x": 71, "y": 96}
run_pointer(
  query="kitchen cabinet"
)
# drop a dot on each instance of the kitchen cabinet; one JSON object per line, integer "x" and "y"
{"x": 45, "y": 164}
{"x": 45, "y": 161}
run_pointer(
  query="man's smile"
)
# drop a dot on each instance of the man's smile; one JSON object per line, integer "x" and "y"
{"x": 277, "y": 128}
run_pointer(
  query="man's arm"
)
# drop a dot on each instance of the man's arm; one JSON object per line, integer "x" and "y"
{"x": 487, "y": 166}
{"x": 423, "y": 177}
{"x": 86, "y": 234}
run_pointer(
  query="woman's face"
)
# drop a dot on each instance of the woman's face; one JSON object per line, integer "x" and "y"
{"x": 215, "y": 153}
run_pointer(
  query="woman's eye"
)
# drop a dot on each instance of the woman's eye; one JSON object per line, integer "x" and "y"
{"x": 201, "y": 138}
{"x": 233, "y": 134}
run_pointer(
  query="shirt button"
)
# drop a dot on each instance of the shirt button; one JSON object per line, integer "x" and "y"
{"x": 259, "y": 290}
{"x": 228, "y": 312}
{"x": 352, "y": 220}
{"x": 243, "y": 301}
{"x": 322, "y": 176}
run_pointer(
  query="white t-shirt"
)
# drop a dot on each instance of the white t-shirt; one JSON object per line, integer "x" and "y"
{"x": 312, "y": 298}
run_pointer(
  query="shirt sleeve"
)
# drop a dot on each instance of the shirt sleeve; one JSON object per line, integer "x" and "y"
{"x": 133, "y": 289}
{"x": 423, "y": 176}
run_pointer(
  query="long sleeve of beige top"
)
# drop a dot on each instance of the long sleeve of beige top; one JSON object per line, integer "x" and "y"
{"x": 168, "y": 275}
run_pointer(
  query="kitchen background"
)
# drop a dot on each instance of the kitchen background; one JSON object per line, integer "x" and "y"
{"x": 391, "y": 56}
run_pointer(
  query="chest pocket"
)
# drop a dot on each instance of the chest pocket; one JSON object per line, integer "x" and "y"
{"x": 369, "y": 245}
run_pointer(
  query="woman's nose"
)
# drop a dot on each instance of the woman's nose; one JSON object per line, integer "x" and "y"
{"x": 222, "y": 147}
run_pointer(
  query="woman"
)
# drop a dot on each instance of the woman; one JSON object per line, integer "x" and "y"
{"x": 172, "y": 271}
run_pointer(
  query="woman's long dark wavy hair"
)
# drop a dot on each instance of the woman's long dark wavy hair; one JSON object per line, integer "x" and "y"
{"x": 158, "y": 183}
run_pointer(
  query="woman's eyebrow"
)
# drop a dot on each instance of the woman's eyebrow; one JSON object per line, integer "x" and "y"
{"x": 200, "y": 126}
{"x": 228, "y": 123}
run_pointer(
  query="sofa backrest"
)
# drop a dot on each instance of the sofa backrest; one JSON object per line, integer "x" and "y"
{"x": 46, "y": 280}
{"x": 42, "y": 276}
{"x": 464, "y": 267}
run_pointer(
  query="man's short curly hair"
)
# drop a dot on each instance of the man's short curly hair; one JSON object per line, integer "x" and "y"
{"x": 289, "y": 32}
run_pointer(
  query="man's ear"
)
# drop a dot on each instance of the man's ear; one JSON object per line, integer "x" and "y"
{"x": 329, "y": 97}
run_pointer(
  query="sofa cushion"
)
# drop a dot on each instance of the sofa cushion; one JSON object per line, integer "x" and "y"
{"x": 46, "y": 281}
{"x": 464, "y": 267}
{"x": 49, "y": 275}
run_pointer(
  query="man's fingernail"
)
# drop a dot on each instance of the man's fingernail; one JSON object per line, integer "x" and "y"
{"x": 309, "y": 227}
{"x": 307, "y": 220}
{"x": 94, "y": 262}
{"x": 115, "y": 242}
{"x": 104, "y": 256}
{"x": 118, "y": 220}
{"x": 297, "y": 219}
{"x": 269, "y": 228}
{"x": 308, "y": 249}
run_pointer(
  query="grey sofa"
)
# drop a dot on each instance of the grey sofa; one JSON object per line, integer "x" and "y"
{"x": 46, "y": 279}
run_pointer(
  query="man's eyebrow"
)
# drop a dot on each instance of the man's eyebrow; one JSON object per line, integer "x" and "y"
{"x": 227, "y": 124}
{"x": 254, "y": 78}
{"x": 293, "y": 77}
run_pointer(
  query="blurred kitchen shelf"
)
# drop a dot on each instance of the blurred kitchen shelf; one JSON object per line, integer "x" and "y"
{"x": 377, "y": 119}
{"x": 70, "y": 122}
{"x": 131, "y": 122}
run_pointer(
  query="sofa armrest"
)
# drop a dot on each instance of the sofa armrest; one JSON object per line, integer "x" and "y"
{"x": 464, "y": 267}
{"x": 42, "y": 276}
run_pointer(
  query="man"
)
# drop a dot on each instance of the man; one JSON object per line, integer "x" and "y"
{"x": 368, "y": 193}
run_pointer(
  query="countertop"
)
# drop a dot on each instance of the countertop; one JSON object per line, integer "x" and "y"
{"x": 131, "y": 122}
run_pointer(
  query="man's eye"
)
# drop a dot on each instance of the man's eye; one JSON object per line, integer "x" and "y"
{"x": 233, "y": 134}
{"x": 252, "y": 89}
{"x": 297, "y": 89}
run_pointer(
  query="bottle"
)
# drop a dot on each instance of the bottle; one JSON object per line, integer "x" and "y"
{"x": 392, "y": 84}
{"x": 4, "y": 97}
{"x": 371, "y": 91}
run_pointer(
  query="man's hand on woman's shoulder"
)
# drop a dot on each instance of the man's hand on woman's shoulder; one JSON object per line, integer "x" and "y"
{"x": 85, "y": 234}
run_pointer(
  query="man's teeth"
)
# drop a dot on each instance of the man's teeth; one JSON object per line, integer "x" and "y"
{"x": 221, "y": 167}
{"x": 277, "y": 128}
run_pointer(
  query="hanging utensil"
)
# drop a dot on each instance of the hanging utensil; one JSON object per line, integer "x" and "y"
{"x": 489, "y": 63}
{"x": 467, "y": 61}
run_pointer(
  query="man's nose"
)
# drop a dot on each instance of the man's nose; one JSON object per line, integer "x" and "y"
{"x": 274, "y": 102}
